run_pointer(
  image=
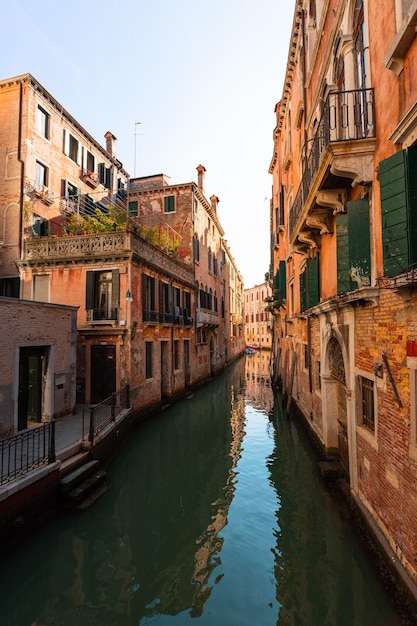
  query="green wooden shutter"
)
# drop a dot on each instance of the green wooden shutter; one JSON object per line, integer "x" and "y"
{"x": 153, "y": 293}
{"x": 313, "y": 281}
{"x": 303, "y": 293}
{"x": 283, "y": 280}
{"x": 115, "y": 292}
{"x": 144, "y": 292}
{"x": 169, "y": 204}
{"x": 109, "y": 178}
{"x": 397, "y": 176}
{"x": 90, "y": 291}
{"x": 276, "y": 282}
{"x": 132, "y": 208}
{"x": 343, "y": 267}
{"x": 359, "y": 243}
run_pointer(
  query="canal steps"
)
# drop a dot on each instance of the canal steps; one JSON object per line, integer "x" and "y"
{"x": 83, "y": 486}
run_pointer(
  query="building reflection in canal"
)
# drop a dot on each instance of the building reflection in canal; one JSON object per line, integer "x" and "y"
{"x": 213, "y": 512}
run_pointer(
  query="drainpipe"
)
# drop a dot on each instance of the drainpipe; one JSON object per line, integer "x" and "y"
{"x": 195, "y": 289}
{"x": 22, "y": 169}
{"x": 303, "y": 74}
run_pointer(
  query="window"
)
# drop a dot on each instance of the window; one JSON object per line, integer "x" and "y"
{"x": 317, "y": 376}
{"x": 176, "y": 354}
{"x": 41, "y": 176}
{"x": 306, "y": 357}
{"x": 149, "y": 359}
{"x": 73, "y": 149}
{"x": 42, "y": 122}
{"x": 280, "y": 283}
{"x": 397, "y": 176}
{"x": 41, "y": 287}
{"x": 360, "y": 45}
{"x": 102, "y": 295}
{"x": 149, "y": 311}
{"x": 196, "y": 248}
{"x": 90, "y": 162}
{"x": 9, "y": 287}
{"x": 133, "y": 208}
{"x": 209, "y": 260}
{"x": 166, "y": 305}
{"x": 215, "y": 266}
{"x": 169, "y": 204}
{"x": 366, "y": 412}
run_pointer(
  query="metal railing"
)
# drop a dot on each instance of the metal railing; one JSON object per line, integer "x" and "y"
{"x": 104, "y": 413}
{"x": 26, "y": 451}
{"x": 347, "y": 116}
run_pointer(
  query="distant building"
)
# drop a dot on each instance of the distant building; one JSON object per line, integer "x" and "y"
{"x": 258, "y": 319}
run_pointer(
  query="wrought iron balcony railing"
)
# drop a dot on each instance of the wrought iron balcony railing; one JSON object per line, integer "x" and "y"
{"x": 347, "y": 116}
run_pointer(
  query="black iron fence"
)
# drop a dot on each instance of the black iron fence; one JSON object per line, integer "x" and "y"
{"x": 27, "y": 451}
{"x": 36, "y": 446}
{"x": 104, "y": 413}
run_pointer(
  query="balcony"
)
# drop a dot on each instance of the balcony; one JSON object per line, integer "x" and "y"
{"x": 102, "y": 315}
{"x": 207, "y": 318}
{"x": 180, "y": 316}
{"x": 340, "y": 156}
{"x": 38, "y": 192}
{"x": 90, "y": 178}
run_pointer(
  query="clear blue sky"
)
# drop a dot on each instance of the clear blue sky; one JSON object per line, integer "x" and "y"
{"x": 201, "y": 77}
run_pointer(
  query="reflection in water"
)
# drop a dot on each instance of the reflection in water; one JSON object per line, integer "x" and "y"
{"x": 258, "y": 382}
{"x": 214, "y": 512}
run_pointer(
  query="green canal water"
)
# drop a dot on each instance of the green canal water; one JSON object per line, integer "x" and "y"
{"x": 215, "y": 514}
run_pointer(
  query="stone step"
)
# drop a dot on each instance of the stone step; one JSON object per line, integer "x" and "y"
{"x": 86, "y": 491}
{"x": 74, "y": 478}
{"x": 73, "y": 463}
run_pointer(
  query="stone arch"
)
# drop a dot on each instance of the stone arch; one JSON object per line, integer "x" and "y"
{"x": 11, "y": 224}
{"x": 334, "y": 388}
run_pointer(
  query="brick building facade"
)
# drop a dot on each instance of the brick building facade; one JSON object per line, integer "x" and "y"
{"x": 37, "y": 363}
{"x": 258, "y": 319}
{"x": 158, "y": 293}
{"x": 343, "y": 252}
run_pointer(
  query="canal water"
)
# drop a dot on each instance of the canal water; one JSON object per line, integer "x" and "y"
{"x": 215, "y": 514}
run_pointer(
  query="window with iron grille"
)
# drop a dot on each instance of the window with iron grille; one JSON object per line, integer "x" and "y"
{"x": 366, "y": 408}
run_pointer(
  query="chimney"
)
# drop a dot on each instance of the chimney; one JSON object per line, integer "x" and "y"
{"x": 214, "y": 202}
{"x": 201, "y": 171}
{"x": 110, "y": 143}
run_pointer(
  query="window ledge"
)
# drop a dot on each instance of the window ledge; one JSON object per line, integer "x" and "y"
{"x": 368, "y": 435}
{"x": 394, "y": 59}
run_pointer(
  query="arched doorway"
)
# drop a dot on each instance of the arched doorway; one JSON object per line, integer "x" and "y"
{"x": 337, "y": 373}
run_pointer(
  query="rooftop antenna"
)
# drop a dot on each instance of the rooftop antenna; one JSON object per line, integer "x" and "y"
{"x": 134, "y": 160}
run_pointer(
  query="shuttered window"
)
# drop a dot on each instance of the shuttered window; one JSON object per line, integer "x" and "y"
{"x": 313, "y": 284}
{"x": 132, "y": 208}
{"x": 196, "y": 249}
{"x": 353, "y": 247}
{"x": 398, "y": 181}
{"x": 303, "y": 293}
{"x": 280, "y": 283}
{"x": 169, "y": 204}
